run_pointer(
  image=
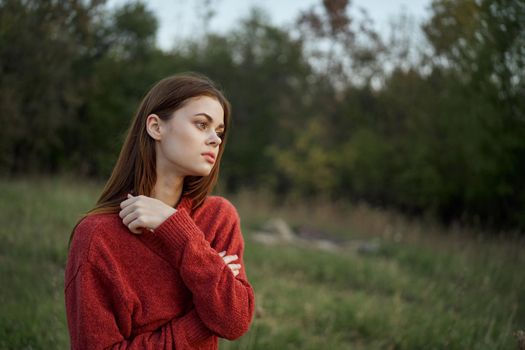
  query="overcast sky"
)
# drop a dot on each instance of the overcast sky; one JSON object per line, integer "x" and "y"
{"x": 179, "y": 19}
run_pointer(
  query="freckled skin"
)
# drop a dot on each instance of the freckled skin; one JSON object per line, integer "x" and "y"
{"x": 187, "y": 135}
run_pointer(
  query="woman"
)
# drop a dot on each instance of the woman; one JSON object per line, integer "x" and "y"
{"x": 157, "y": 264}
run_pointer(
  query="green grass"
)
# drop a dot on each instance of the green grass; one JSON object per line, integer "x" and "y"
{"x": 424, "y": 289}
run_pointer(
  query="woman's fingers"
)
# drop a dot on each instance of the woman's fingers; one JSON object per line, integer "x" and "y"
{"x": 126, "y": 211}
{"x": 132, "y": 206}
{"x": 136, "y": 226}
{"x": 234, "y": 269}
{"x": 129, "y": 217}
{"x": 229, "y": 258}
{"x": 149, "y": 213}
{"x": 128, "y": 201}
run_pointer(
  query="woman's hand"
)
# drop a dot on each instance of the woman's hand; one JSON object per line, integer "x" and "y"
{"x": 228, "y": 259}
{"x": 142, "y": 212}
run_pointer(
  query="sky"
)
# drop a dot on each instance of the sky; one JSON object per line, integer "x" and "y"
{"x": 179, "y": 19}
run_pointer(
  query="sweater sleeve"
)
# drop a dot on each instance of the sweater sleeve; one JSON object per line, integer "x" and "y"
{"x": 224, "y": 302}
{"x": 97, "y": 318}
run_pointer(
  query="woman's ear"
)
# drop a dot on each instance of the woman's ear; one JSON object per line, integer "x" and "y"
{"x": 153, "y": 126}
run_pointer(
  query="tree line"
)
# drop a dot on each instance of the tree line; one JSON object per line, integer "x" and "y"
{"x": 326, "y": 107}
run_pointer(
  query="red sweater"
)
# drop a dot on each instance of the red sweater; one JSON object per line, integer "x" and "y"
{"x": 167, "y": 289}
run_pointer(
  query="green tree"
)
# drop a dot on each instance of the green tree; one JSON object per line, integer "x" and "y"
{"x": 42, "y": 46}
{"x": 129, "y": 65}
{"x": 482, "y": 42}
{"x": 265, "y": 74}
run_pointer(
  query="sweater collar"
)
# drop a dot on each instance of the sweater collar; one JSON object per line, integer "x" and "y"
{"x": 185, "y": 203}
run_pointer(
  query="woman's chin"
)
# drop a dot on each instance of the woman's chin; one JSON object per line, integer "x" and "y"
{"x": 202, "y": 172}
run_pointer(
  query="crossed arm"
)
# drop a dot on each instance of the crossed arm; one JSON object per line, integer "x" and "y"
{"x": 222, "y": 297}
{"x": 142, "y": 212}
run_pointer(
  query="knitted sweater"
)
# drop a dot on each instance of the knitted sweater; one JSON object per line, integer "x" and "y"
{"x": 167, "y": 289}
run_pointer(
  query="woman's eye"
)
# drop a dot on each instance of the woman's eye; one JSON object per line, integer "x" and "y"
{"x": 202, "y": 125}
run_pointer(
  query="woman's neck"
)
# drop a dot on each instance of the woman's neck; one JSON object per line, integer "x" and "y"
{"x": 168, "y": 189}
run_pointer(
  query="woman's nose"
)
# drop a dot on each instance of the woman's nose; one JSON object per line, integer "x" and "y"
{"x": 215, "y": 139}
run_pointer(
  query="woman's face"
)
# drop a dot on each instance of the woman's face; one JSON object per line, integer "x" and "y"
{"x": 188, "y": 143}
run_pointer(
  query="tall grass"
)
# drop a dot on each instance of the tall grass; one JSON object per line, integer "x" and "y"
{"x": 426, "y": 288}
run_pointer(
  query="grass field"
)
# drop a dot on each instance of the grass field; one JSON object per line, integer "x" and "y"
{"x": 424, "y": 289}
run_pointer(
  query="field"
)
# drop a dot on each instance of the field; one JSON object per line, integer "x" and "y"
{"x": 423, "y": 288}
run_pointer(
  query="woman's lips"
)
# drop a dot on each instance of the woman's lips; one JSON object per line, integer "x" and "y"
{"x": 209, "y": 158}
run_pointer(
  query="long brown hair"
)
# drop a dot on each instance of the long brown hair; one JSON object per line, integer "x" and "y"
{"x": 135, "y": 169}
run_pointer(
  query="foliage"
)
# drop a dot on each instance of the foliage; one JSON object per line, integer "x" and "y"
{"x": 43, "y": 65}
{"x": 327, "y": 108}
